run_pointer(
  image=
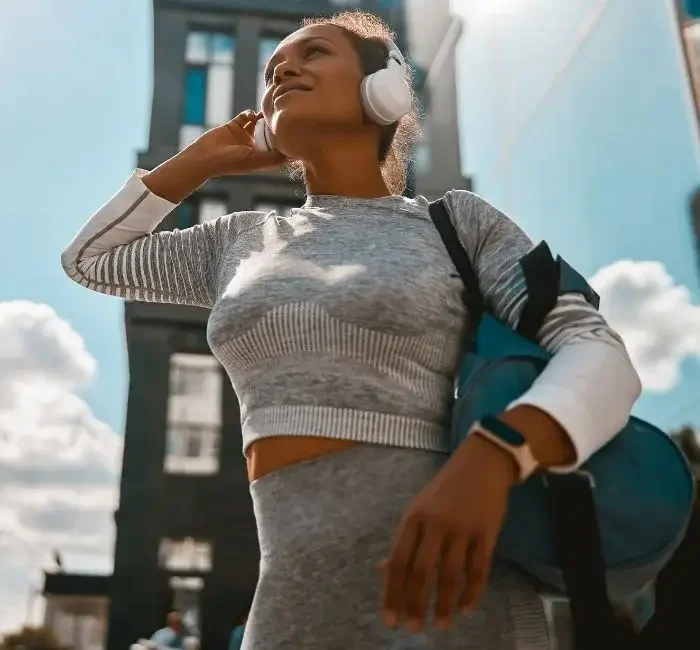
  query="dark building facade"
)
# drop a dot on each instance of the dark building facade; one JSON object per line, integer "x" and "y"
{"x": 186, "y": 535}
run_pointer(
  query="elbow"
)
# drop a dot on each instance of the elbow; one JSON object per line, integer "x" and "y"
{"x": 635, "y": 382}
{"x": 69, "y": 262}
{"x": 627, "y": 380}
{"x": 589, "y": 388}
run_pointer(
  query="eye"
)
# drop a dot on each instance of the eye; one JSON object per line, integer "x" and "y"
{"x": 313, "y": 49}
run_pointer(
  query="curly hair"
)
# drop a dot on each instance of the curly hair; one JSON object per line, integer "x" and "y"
{"x": 368, "y": 34}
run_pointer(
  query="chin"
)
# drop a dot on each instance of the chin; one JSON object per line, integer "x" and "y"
{"x": 293, "y": 122}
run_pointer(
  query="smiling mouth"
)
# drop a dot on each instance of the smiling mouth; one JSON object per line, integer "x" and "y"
{"x": 291, "y": 90}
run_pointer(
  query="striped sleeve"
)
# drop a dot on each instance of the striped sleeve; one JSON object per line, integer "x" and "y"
{"x": 590, "y": 385}
{"x": 117, "y": 253}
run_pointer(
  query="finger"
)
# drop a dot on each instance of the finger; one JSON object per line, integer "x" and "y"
{"x": 395, "y": 570}
{"x": 421, "y": 577}
{"x": 478, "y": 570}
{"x": 450, "y": 580}
{"x": 241, "y": 120}
{"x": 244, "y": 117}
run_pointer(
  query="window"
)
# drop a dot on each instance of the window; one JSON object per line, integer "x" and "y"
{"x": 210, "y": 209}
{"x": 194, "y": 415}
{"x": 208, "y": 88}
{"x": 186, "y": 596}
{"x": 283, "y": 209}
{"x": 185, "y": 212}
{"x": 188, "y": 555}
{"x": 198, "y": 209}
{"x": 266, "y": 48}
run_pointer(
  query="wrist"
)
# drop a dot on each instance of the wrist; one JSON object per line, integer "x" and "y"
{"x": 483, "y": 453}
{"x": 178, "y": 177}
{"x": 549, "y": 442}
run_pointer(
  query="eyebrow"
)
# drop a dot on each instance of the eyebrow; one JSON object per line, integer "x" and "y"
{"x": 302, "y": 41}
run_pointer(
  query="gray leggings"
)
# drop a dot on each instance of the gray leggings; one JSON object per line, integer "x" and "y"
{"x": 324, "y": 524}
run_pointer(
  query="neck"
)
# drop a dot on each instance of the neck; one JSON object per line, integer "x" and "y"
{"x": 347, "y": 167}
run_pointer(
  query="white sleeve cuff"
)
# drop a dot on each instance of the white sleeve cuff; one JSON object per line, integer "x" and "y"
{"x": 134, "y": 211}
{"x": 588, "y": 388}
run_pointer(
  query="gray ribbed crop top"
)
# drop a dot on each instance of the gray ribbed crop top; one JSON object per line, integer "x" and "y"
{"x": 342, "y": 320}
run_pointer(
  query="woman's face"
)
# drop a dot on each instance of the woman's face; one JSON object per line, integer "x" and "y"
{"x": 312, "y": 84}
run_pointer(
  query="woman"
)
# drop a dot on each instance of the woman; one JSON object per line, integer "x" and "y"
{"x": 340, "y": 328}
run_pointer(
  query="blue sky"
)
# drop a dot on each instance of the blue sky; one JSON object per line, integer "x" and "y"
{"x": 592, "y": 147}
{"x": 77, "y": 75}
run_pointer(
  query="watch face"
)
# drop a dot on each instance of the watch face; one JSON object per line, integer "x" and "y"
{"x": 506, "y": 433}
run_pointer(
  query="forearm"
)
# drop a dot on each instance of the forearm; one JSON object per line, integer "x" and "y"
{"x": 586, "y": 392}
{"x": 178, "y": 177}
{"x": 550, "y": 444}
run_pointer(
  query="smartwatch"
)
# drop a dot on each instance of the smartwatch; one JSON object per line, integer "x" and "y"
{"x": 509, "y": 440}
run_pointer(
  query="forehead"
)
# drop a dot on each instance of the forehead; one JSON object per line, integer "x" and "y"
{"x": 329, "y": 32}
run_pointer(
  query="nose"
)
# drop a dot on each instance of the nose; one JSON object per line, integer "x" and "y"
{"x": 286, "y": 70}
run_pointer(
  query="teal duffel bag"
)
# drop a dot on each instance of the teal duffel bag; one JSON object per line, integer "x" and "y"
{"x": 597, "y": 534}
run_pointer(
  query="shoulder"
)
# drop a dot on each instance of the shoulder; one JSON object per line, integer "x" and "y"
{"x": 464, "y": 207}
{"x": 249, "y": 219}
{"x": 469, "y": 207}
{"x": 478, "y": 221}
{"x": 231, "y": 225}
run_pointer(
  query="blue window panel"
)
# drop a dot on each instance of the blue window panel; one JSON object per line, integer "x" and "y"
{"x": 185, "y": 215}
{"x": 195, "y": 96}
{"x": 222, "y": 48}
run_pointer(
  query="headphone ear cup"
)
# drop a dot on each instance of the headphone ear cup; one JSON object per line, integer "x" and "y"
{"x": 385, "y": 95}
{"x": 261, "y": 135}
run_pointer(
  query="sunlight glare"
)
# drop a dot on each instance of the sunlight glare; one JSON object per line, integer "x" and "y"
{"x": 498, "y": 7}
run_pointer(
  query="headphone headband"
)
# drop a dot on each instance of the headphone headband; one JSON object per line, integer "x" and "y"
{"x": 394, "y": 54}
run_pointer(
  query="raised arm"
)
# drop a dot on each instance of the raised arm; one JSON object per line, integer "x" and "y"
{"x": 590, "y": 385}
{"x": 116, "y": 251}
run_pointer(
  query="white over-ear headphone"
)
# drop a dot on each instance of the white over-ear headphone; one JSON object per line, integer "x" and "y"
{"x": 385, "y": 95}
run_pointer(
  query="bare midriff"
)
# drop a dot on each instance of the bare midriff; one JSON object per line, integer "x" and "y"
{"x": 269, "y": 454}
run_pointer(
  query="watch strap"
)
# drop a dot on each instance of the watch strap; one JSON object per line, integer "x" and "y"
{"x": 509, "y": 440}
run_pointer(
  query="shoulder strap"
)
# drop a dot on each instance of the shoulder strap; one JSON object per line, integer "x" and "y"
{"x": 575, "y": 524}
{"x": 541, "y": 275}
{"x": 472, "y": 297}
{"x": 577, "y": 540}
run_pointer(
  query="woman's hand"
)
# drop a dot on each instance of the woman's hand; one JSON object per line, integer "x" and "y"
{"x": 447, "y": 538}
{"x": 225, "y": 150}
{"x": 229, "y": 149}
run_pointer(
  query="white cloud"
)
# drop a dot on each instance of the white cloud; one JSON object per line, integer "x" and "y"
{"x": 655, "y": 316}
{"x": 59, "y": 465}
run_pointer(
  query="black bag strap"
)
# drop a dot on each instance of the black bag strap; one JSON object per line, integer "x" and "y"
{"x": 578, "y": 544}
{"x": 575, "y": 523}
{"x": 472, "y": 296}
{"x": 541, "y": 274}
